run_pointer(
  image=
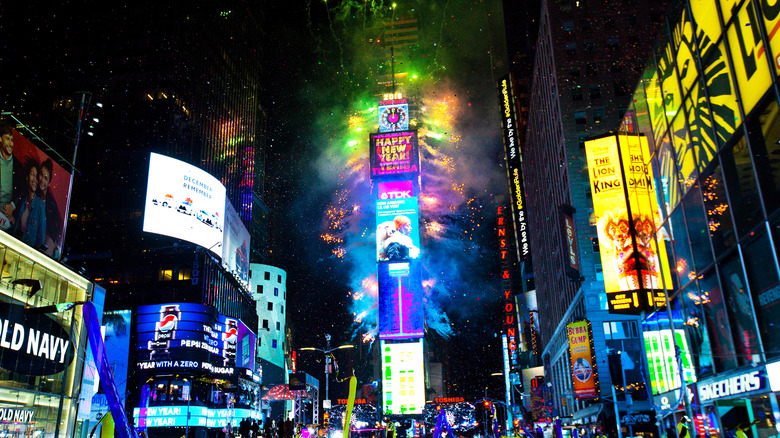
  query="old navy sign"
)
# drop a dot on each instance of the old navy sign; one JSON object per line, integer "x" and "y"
{"x": 396, "y": 190}
{"x": 32, "y": 343}
{"x": 9, "y": 415}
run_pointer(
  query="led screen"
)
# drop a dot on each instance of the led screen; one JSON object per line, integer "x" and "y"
{"x": 396, "y": 189}
{"x": 394, "y": 153}
{"x": 397, "y": 231}
{"x": 662, "y": 359}
{"x": 34, "y": 186}
{"x": 176, "y": 416}
{"x": 634, "y": 265}
{"x": 403, "y": 379}
{"x": 582, "y": 364}
{"x": 235, "y": 245}
{"x": 184, "y": 202}
{"x": 192, "y": 336}
{"x": 393, "y": 116}
{"x": 400, "y": 301}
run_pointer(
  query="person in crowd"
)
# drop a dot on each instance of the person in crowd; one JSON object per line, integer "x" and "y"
{"x": 30, "y": 214}
{"x": 12, "y": 178}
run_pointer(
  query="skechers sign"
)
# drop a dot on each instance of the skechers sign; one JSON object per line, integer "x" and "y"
{"x": 35, "y": 340}
{"x": 739, "y": 384}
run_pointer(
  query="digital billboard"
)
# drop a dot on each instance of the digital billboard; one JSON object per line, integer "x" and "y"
{"x": 636, "y": 268}
{"x": 401, "y": 312}
{"x": 396, "y": 189}
{"x": 393, "y": 115}
{"x": 661, "y": 350}
{"x": 508, "y": 317}
{"x": 397, "y": 231}
{"x": 184, "y": 202}
{"x": 394, "y": 154}
{"x": 571, "y": 254}
{"x": 235, "y": 245}
{"x": 514, "y": 162}
{"x": 33, "y": 187}
{"x": 403, "y": 378}
{"x": 177, "y": 415}
{"x": 583, "y": 368}
{"x": 192, "y": 336}
{"x": 116, "y": 326}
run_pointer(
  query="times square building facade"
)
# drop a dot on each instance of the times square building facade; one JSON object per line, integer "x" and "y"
{"x": 708, "y": 105}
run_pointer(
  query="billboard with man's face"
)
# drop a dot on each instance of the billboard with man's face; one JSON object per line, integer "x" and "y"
{"x": 184, "y": 202}
{"x": 33, "y": 193}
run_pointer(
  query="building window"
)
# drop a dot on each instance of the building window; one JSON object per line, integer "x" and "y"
{"x": 276, "y": 291}
{"x": 265, "y": 324}
{"x": 595, "y": 244}
{"x": 278, "y": 325}
{"x": 267, "y": 275}
{"x": 609, "y": 23}
{"x": 599, "y": 273}
{"x": 270, "y": 306}
{"x": 591, "y": 69}
{"x": 571, "y": 49}
{"x": 568, "y": 27}
{"x": 598, "y": 115}
{"x": 576, "y": 93}
{"x": 612, "y": 43}
{"x": 282, "y": 310}
{"x": 590, "y": 47}
{"x": 185, "y": 274}
{"x": 279, "y": 279}
{"x": 580, "y": 118}
{"x": 250, "y": 273}
{"x": 273, "y": 343}
{"x": 594, "y": 91}
{"x": 166, "y": 275}
{"x": 259, "y": 341}
{"x": 260, "y": 288}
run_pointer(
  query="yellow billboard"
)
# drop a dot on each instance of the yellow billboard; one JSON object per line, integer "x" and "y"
{"x": 582, "y": 364}
{"x": 636, "y": 268}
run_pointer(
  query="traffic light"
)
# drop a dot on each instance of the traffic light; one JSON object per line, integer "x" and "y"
{"x": 326, "y": 419}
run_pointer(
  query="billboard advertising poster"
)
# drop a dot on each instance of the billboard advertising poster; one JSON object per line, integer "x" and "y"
{"x": 394, "y": 153}
{"x": 393, "y": 115}
{"x": 636, "y": 268}
{"x": 192, "y": 336}
{"x": 116, "y": 337}
{"x": 401, "y": 313}
{"x": 571, "y": 252}
{"x": 397, "y": 231}
{"x": 660, "y": 347}
{"x": 396, "y": 189}
{"x": 33, "y": 186}
{"x": 235, "y": 245}
{"x": 514, "y": 165}
{"x": 184, "y": 202}
{"x": 403, "y": 378}
{"x": 582, "y": 364}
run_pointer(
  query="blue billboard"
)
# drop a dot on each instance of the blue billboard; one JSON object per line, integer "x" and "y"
{"x": 397, "y": 230}
{"x": 192, "y": 336}
{"x": 401, "y": 313}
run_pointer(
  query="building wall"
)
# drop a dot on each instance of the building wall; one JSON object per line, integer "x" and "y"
{"x": 269, "y": 289}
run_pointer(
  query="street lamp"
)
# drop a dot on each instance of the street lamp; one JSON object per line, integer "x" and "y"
{"x": 328, "y": 357}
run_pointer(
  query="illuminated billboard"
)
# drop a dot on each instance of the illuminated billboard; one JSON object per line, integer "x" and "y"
{"x": 177, "y": 416}
{"x": 33, "y": 186}
{"x": 397, "y": 231}
{"x": 394, "y": 153}
{"x": 508, "y": 317}
{"x": 403, "y": 378}
{"x": 393, "y": 115}
{"x": 235, "y": 245}
{"x": 401, "y": 313}
{"x": 660, "y": 348}
{"x": 396, "y": 189}
{"x": 636, "y": 268}
{"x": 583, "y": 366}
{"x": 514, "y": 161}
{"x": 193, "y": 337}
{"x": 571, "y": 254}
{"x": 184, "y": 202}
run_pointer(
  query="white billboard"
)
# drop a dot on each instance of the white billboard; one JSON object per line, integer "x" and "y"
{"x": 184, "y": 202}
{"x": 403, "y": 378}
{"x": 235, "y": 246}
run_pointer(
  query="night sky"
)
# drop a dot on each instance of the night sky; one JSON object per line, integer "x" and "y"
{"x": 317, "y": 187}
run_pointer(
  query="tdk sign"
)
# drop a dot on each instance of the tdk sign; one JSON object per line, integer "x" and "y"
{"x": 396, "y": 190}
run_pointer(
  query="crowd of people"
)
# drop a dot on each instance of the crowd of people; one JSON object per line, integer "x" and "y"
{"x": 253, "y": 429}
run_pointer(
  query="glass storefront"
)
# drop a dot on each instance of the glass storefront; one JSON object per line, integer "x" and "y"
{"x": 39, "y": 402}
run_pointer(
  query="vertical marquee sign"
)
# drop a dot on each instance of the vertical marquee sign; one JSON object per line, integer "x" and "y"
{"x": 636, "y": 269}
{"x": 514, "y": 161}
{"x": 509, "y": 321}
